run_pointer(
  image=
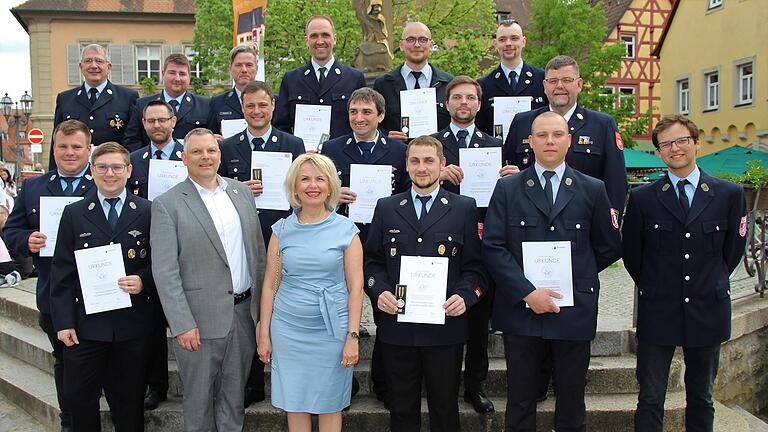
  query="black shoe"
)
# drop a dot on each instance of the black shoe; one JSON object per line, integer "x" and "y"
{"x": 67, "y": 429}
{"x": 355, "y": 386}
{"x": 479, "y": 401}
{"x": 152, "y": 399}
{"x": 253, "y": 395}
{"x": 542, "y": 397}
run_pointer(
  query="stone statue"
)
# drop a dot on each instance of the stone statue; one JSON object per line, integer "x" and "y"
{"x": 374, "y": 54}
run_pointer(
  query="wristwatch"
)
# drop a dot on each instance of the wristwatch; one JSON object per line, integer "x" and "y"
{"x": 354, "y": 335}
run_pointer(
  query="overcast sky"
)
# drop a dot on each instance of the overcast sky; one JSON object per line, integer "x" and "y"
{"x": 14, "y": 54}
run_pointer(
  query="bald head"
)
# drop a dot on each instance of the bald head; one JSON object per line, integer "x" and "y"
{"x": 416, "y": 43}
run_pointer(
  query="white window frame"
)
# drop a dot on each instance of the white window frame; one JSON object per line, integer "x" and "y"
{"x": 195, "y": 70}
{"x": 683, "y": 95}
{"x": 144, "y": 53}
{"x": 745, "y": 84}
{"x": 712, "y": 90}
{"x": 712, "y": 4}
{"x": 628, "y": 41}
{"x": 623, "y": 95}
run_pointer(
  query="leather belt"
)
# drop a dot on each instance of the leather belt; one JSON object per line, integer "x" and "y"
{"x": 243, "y": 296}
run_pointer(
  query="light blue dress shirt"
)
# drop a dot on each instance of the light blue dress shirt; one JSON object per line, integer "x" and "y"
{"x": 559, "y": 171}
{"x": 690, "y": 188}
{"x": 417, "y": 202}
{"x": 410, "y": 80}
{"x": 118, "y": 205}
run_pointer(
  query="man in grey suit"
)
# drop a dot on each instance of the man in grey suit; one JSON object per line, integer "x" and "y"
{"x": 210, "y": 265}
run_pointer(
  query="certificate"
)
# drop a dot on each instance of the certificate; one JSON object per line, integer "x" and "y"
{"x": 99, "y": 269}
{"x": 369, "y": 182}
{"x": 51, "y": 209}
{"x": 426, "y": 279}
{"x": 548, "y": 265}
{"x": 481, "y": 171}
{"x": 163, "y": 175}
{"x": 312, "y": 124}
{"x": 274, "y": 167}
{"x": 504, "y": 110}
{"x": 419, "y": 106}
{"x": 232, "y": 127}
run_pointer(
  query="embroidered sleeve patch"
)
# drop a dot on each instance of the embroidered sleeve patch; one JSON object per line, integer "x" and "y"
{"x": 619, "y": 141}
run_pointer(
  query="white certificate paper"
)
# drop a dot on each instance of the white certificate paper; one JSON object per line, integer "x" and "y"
{"x": 369, "y": 182}
{"x": 311, "y": 123}
{"x": 163, "y": 175}
{"x": 274, "y": 168}
{"x": 232, "y": 127}
{"x": 504, "y": 110}
{"x": 548, "y": 265}
{"x": 426, "y": 280}
{"x": 99, "y": 269}
{"x": 51, "y": 209}
{"x": 481, "y": 171}
{"x": 420, "y": 106}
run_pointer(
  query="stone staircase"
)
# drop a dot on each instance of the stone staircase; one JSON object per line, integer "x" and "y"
{"x": 26, "y": 379}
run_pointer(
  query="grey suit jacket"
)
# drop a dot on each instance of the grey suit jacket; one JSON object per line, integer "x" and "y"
{"x": 191, "y": 270}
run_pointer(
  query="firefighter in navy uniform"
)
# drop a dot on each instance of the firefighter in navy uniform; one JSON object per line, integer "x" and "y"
{"x": 243, "y": 66}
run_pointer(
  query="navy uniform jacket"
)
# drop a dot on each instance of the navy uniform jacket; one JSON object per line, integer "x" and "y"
{"x": 236, "y": 164}
{"x": 192, "y": 113}
{"x": 25, "y": 219}
{"x": 518, "y": 213}
{"x": 300, "y": 86}
{"x": 531, "y": 83}
{"x": 83, "y": 225}
{"x": 450, "y": 227}
{"x": 681, "y": 264}
{"x": 138, "y": 183}
{"x": 596, "y": 149}
{"x": 224, "y": 106}
{"x": 451, "y": 148}
{"x": 392, "y": 83}
{"x": 107, "y": 119}
{"x": 345, "y": 152}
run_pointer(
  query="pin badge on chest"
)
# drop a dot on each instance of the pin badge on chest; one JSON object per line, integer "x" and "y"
{"x": 443, "y": 200}
{"x": 705, "y": 187}
{"x": 441, "y": 249}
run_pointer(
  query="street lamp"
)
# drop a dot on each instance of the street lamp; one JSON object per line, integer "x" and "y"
{"x": 14, "y": 118}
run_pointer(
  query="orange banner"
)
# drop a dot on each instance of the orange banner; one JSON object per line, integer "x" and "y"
{"x": 249, "y": 18}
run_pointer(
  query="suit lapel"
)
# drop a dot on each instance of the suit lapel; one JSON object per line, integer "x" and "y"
{"x": 575, "y": 124}
{"x": 564, "y": 193}
{"x": 407, "y": 211}
{"x": 704, "y": 195}
{"x": 665, "y": 193}
{"x": 244, "y": 147}
{"x": 243, "y": 212}
{"x": 104, "y": 98}
{"x": 233, "y": 102}
{"x": 501, "y": 82}
{"x": 94, "y": 213}
{"x": 439, "y": 208}
{"x": 200, "y": 212}
{"x": 397, "y": 79}
{"x": 332, "y": 76}
{"x": 54, "y": 185}
{"x": 534, "y": 191}
{"x": 524, "y": 80}
{"x": 186, "y": 107}
{"x": 128, "y": 214}
{"x": 380, "y": 150}
{"x": 450, "y": 145}
{"x": 352, "y": 150}
{"x": 178, "y": 149}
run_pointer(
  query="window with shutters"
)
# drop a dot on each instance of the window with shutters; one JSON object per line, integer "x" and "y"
{"x": 148, "y": 62}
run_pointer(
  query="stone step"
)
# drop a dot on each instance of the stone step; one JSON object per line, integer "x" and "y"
{"x": 607, "y": 375}
{"x": 33, "y": 390}
{"x": 15, "y": 419}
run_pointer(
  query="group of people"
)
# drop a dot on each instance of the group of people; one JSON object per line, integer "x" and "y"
{"x": 240, "y": 287}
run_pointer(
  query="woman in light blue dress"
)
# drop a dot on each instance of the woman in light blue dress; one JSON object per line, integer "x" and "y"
{"x": 312, "y": 299}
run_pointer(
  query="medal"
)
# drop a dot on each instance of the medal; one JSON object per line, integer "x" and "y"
{"x": 131, "y": 253}
{"x": 393, "y": 251}
{"x": 441, "y": 249}
{"x": 143, "y": 253}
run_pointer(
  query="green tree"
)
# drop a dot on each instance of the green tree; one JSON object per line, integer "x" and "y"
{"x": 577, "y": 28}
{"x": 213, "y": 37}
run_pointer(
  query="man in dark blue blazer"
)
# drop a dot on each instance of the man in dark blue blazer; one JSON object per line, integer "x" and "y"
{"x": 258, "y": 105}
{"x": 104, "y": 350}
{"x": 549, "y": 202}
{"x": 158, "y": 121}
{"x": 684, "y": 235}
{"x": 596, "y": 145}
{"x": 22, "y": 234}
{"x": 243, "y": 66}
{"x": 513, "y": 76}
{"x": 416, "y": 42}
{"x": 425, "y": 221}
{"x": 191, "y": 110}
{"x": 322, "y": 81}
{"x": 368, "y": 146}
{"x": 104, "y": 107}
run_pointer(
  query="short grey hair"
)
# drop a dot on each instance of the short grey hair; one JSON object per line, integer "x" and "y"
{"x": 242, "y": 49}
{"x": 560, "y": 61}
{"x": 95, "y": 47}
{"x": 198, "y": 132}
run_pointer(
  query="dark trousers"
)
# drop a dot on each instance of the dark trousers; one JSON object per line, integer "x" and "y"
{"x": 701, "y": 364}
{"x": 255, "y": 381}
{"x": 476, "y": 356}
{"x": 440, "y": 368}
{"x": 117, "y": 368}
{"x": 378, "y": 377}
{"x": 46, "y": 324}
{"x": 157, "y": 353}
{"x": 524, "y": 356}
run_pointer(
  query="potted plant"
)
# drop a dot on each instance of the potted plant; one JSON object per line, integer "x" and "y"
{"x": 755, "y": 181}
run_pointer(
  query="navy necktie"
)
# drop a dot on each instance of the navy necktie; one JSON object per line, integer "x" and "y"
{"x": 416, "y": 75}
{"x": 70, "y": 189}
{"x": 512, "y": 80}
{"x": 548, "y": 187}
{"x": 258, "y": 144}
{"x": 159, "y": 154}
{"x": 366, "y": 147}
{"x": 424, "y": 200}
{"x": 175, "y": 104}
{"x": 93, "y": 94}
{"x": 682, "y": 196}
{"x": 321, "y": 77}
{"x": 112, "y": 215}
{"x": 461, "y": 137}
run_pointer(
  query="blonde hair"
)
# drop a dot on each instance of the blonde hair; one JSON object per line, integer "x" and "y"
{"x": 326, "y": 167}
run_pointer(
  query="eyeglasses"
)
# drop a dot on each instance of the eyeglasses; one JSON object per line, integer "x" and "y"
{"x": 160, "y": 121}
{"x": 411, "y": 40}
{"x": 98, "y": 61}
{"x": 681, "y": 143}
{"x": 103, "y": 168}
{"x": 565, "y": 81}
